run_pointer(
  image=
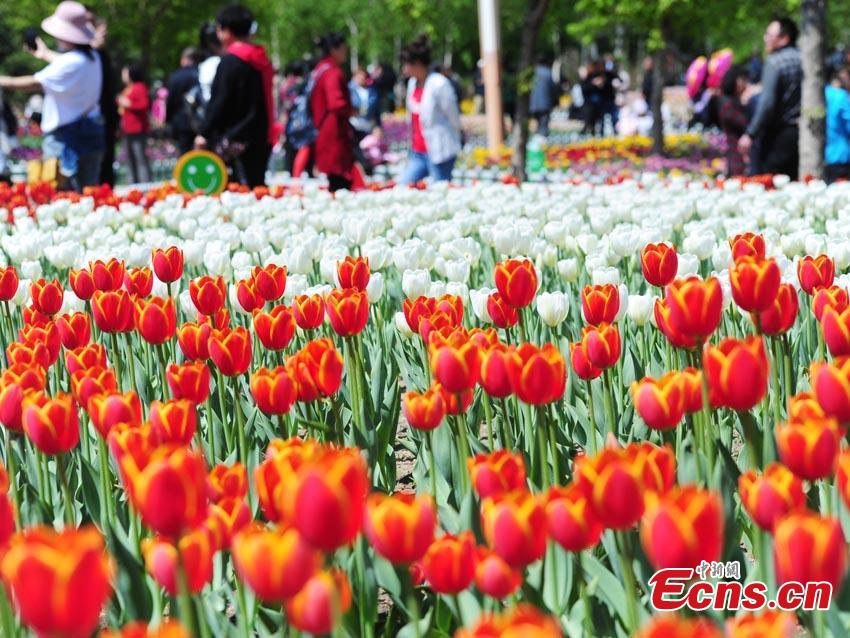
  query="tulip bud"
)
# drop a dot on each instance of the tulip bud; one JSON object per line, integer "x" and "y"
{"x": 167, "y": 264}
{"x": 494, "y": 577}
{"x": 809, "y": 548}
{"x": 424, "y": 411}
{"x": 815, "y": 272}
{"x": 497, "y": 473}
{"x": 571, "y": 520}
{"x": 659, "y": 264}
{"x": 319, "y": 605}
{"x": 770, "y": 496}
{"x": 809, "y": 447}
{"x": 449, "y": 564}
{"x": 553, "y": 308}
{"x": 516, "y": 280}
{"x": 737, "y": 373}
{"x": 400, "y": 527}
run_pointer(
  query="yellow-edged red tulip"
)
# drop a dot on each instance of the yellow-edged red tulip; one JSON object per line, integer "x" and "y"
{"x": 167, "y": 264}
{"x": 747, "y": 245}
{"x": 270, "y": 281}
{"x": 156, "y": 319}
{"x": 770, "y": 496}
{"x": 401, "y": 526}
{"x": 815, "y": 272}
{"x": 353, "y": 272}
{"x": 514, "y": 525}
{"x": 737, "y": 372}
{"x": 424, "y": 410}
{"x": 541, "y": 376}
{"x": 516, "y": 281}
{"x": 755, "y": 283}
{"x": 174, "y": 421}
{"x": 695, "y": 306}
{"x": 208, "y": 294}
{"x": 600, "y": 304}
{"x": 809, "y": 548}
{"x": 449, "y": 564}
{"x": 497, "y": 473}
{"x": 109, "y": 409}
{"x": 193, "y": 553}
{"x": 779, "y": 318}
{"x": 660, "y": 402}
{"x": 571, "y": 520}
{"x": 138, "y": 281}
{"x": 347, "y": 310}
{"x": 809, "y": 447}
{"x": 320, "y": 604}
{"x": 189, "y": 380}
{"x": 659, "y": 263}
{"x": 51, "y": 423}
{"x": 274, "y": 328}
{"x": 274, "y": 391}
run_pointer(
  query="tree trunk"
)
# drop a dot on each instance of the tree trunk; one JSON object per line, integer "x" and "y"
{"x": 655, "y": 101}
{"x": 813, "y": 108}
{"x": 535, "y": 11}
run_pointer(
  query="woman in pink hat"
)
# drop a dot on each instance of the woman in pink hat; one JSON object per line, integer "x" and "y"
{"x": 71, "y": 83}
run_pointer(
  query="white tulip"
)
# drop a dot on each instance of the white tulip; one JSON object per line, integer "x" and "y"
{"x": 568, "y": 269}
{"x": 415, "y": 283}
{"x": 553, "y": 307}
{"x": 641, "y": 308}
{"x": 31, "y": 269}
{"x": 688, "y": 265}
{"x": 187, "y": 305}
{"x": 606, "y": 275}
{"x": 478, "y": 300}
{"x": 402, "y": 326}
{"x": 624, "y": 302}
{"x": 193, "y": 252}
{"x": 437, "y": 289}
{"x": 375, "y": 287}
{"x": 22, "y": 295}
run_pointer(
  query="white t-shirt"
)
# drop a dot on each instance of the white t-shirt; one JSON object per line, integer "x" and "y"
{"x": 206, "y": 75}
{"x": 71, "y": 84}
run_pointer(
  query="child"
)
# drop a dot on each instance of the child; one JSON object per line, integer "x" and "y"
{"x": 375, "y": 148}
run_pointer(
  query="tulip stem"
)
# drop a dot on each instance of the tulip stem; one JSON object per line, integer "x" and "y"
{"x": 591, "y": 435}
{"x": 116, "y": 362}
{"x": 243, "y": 607}
{"x": 507, "y": 440}
{"x": 609, "y": 403}
{"x": 11, "y": 467}
{"x": 105, "y": 483}
{"x": 184, "y": 598}
{"x": 66, "y": 490}
{"x": 432, "y": 469}
{"x": 629, "y": 584}
{"x": 541, "y": 448}
{"x": 228, "y": 433}
{"x": 464, "y": 445}
{"x": 708, "y": 429}
{"x": 522, "y": 332}
{"x": 582, "y": 589}
{"x": 210, "y": 428}
{"x": 240, "y": 422}
{"x": 488, "y": 417}
{"x": 163, "y": 370}
{"x": 128, "y": 336}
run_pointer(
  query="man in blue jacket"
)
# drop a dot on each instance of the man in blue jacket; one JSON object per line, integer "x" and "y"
{"x": 837, "y": 151}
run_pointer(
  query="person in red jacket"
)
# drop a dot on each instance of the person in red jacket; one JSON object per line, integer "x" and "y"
{"x": 330, "y": 104}
{"x": 134, "y": 104}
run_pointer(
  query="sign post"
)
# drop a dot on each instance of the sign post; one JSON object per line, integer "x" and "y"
{"x": 488, "y": 30}
{"x": 200, "y": 172}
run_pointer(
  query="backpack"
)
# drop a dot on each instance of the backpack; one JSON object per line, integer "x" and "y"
{"x": 300, "y": 130}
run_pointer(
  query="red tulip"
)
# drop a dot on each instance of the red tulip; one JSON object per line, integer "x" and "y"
{"x": 167, "y": 264}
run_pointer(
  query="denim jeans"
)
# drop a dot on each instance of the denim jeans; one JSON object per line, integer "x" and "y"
{"x": 419, "y": 167}
{"x": 140, "y": 168}
{"x": 88, "y": 166}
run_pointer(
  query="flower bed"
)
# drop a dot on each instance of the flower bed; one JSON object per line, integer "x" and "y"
{"x": 502, "y": 407}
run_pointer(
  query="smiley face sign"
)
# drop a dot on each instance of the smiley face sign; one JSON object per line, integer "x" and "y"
{"x": 200, "y": 171}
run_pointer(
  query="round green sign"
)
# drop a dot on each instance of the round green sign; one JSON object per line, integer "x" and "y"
{"x": 200, "y": 172}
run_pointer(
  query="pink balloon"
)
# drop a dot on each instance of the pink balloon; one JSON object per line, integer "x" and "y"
{"x": 717, "y": 67}
{"x": 695, "y": 76}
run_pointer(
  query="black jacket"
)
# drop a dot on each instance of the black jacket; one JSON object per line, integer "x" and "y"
{"x": 237, "y": 107}
{"x": 180, "y": 83}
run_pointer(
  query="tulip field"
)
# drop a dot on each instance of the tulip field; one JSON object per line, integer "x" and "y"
{"x": 491, "y": 410}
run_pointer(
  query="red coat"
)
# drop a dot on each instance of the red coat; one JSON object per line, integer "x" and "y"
{"x": 331, "y": 107}
{"x": 134, "y": 118}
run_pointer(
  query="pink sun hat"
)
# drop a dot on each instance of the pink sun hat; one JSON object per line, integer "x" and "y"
{"x": 69, "y": 23}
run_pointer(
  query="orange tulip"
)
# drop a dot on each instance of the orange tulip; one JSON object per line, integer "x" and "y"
{"x": 570, "y": 518}
{"x": 92, "y": 355}
{"x": 52, "y": 424}
{"x": 274, "y": 563}
{"x": 602, "y": 345}
{"x": 72, "y": 565}
{"x": 174, "y": 421}
{"x": 770, "y": 623}
{"x": 524, "y": 620}
{"x": 189, "y": 380}
{"x": 168, "y": 489}
{"x": 834, "y": 297}
{"x": 815, "y": 272}
{"x": 542, "y": 375}
{"x": 747, "y": 245}
{"x": 8, "y": 283}
{"x": 47, "y": 296}
{"x": 682, "y": 528}
{"x": 333, "y": 487}
{"x": 109, "y": 409}
{"x": 400, "y": 527}
{"x": 193, "y": 552}
{"x": 208, "y": 294}
{"x": 347, "y": 310}
{"x": 673, "y": 626}
{"x": 274, "y": 478}
{"x": 809, "y": 548}
{"x": 779, "y": 318}
{"x": 107, "y": 276}
{"x": 809, "y": 447}
{"x": 74, "y": 329}
{"x": 167, "y": 264}
{"x": 514, "y": 525}
{"x": 804, "y": 405}
{"x": 516, "y": 281}
{"x": 494, "y": 577}
{"x": 82, "y": 283}
{"x": 449, "y": 564}
{"x": 695, "y": 306}
{"x": 318, "y": 369}
{"x": 87, "y": 383}
{"x": 112, "y": 311}
{"x": 270, "y": 281}
{"x": 156, "y": 319}
{"x": 230, "y": 350}
{"x": 227, "y": 517}
{"x": 425, "y": 410}
{"x": 318, "y": 606}
{"x": 501, "y": 313}
{"x": 274, "y": 328}
{"x": 274, "y": 391}
{"x": 831, "y": 387}
{"x": 194, "y": 340}
{"x": 456, "y": 368}
{"x": 659, "y": 263}
{"x": 614, "y": 485}
{"x": 138, "y": 281}
{"x": 227, "y": 481}
{"x": 497, "y": 473}
{"x": 600, "y": 304}
{"x": 353, "y": 273}
{"x": 33, "y": 355}
{"x": 770, "y": 496}
{"x": 737, "y": 373}
{"x": 755, "y": 283}
{"x": 309, "y": 311}
{"x": 660, "y": 402}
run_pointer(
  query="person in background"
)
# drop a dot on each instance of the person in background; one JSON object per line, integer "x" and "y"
{"x": 610, "y": 88}
{"x": 177, "y": 115}
{"x": 434, "y": 117}
{"x": 646, "y": 84}
{"x": 239, "y": 119}
{"x": 452, "y": 77}
{"x": 292, "y": 85}
{"x": 543, "y": 95}
{"x": 732, "y": 116}
{"x": 108, "y": 93}
{"x": 133, "y": 105}
{"x": 478, "y": 88}
{"x": 211, "y": 46}
{"x": 8, "y": 132}
{"x": 71, "y": 82}
{"x": 364, "y": 100}
{"x": 330, "y": 103}
{"x": 776, "y": 117}
{"x": 837, "y": 151}
{"x": 384, "y": 79}
{"x": 592, "y": 88}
